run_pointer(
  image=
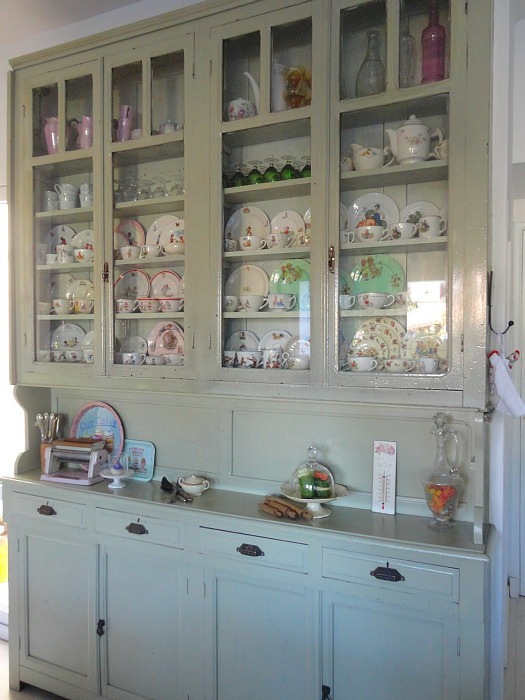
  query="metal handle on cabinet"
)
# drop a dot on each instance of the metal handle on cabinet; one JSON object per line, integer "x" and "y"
{"x": 385, "y": 573}
{"x": 100, "y": 627}
{"x": 331, "y": 259}
{"x": 136, "y": 529}
{"x": 250, "y": 550}
{"x": 46, "y": 510}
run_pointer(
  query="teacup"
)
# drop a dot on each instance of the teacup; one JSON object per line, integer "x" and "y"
{"x": 148, "y": 305}
{"x": 346, "y": 237}
{"x": 231, "y": 303}
{"x": 58, "y": 356}
{"x": 428, "y": 365}
{"x": 252, "y": 242}
{"x": 89, "y": 356}
{"x": 228, "y": 358}
{"x": 346, "y": 301}
{"x": 281, "y": 302}
{"x": 174, "y": 247}
{"x": 231, "y": 245}
{"x": 249, "y": 359}
{"x": 174, "y": 359}
{"x": 65, "y": 253}
{"x": 253, "y": 302}
{"x": 150, "y": 250}
{"x": 63, "y": 306}
{"x": 126, "y": 306}
{"x": 43, "y": 307}
{"x": 279, "y": 240}
{"x": 375, "y": 300}
{"x": 130, "y": 252}
{"x": 402, "y": 230}
{"x": 399, "y": 365}
{"x": 155, "y": 360}
{"x": 170, "y": 304}
{"x": 84, "y": 254}
{"x": 371, "y": 233}
{"x": 133, "y": 358}
{"x": 432, "y": 226}
{"x": 362, "y": 364}
{"x": 84, "y": 306}
{"x": 74, "y": 355}
{"x": 272, "y": 358}
{"x": 295, "y": 361}
{"x": 371, "y": 158}
{"x": 440, "y": 152}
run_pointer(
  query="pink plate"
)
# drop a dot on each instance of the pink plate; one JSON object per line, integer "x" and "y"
{"x": 128, "y": 232}
{"x": 166, "y": 338}
{"x": 165, "y": 283}
{"x": 98, "y": 418}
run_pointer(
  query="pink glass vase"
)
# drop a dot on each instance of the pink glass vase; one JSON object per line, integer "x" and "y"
{"x": 433, "y": 46}
{"x": 51, "y": 134}
{"x": 85, "y": 132}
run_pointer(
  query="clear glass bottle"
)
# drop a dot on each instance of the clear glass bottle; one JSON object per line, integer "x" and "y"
{"x": 407, "y": 50}
{"x": 371, "y": 75}
{"x": 433, "y": 46}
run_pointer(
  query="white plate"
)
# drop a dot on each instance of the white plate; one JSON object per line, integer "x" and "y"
{"x": 247, "y": 279}
{"x": 274, "y": 339}
{"x": 167, "y": 337}
{"x": 171, "y": 232}
{"x": 59, "y": 286}
{"x": 289, "y": 222}
{"x": 132, "y": 284}
{"x": 165, "y": 283}
{"x": 89, "y": 341}
{"x": 81, "y": 289}
{"x": 242, "y": 340}
{"x": 297, "y": 343}
{"x": 426, "y": 345}
{"x": 59, "y": 235}
{"x": 67, "y": 336}
{"x": 182, "y": 286}
{"x": 307, "y": 218}
{"x": 413, "y": 212}
{"x": 374, "y": 205}
{"x": 84, "y": 239}
{"x": 365, "y": 344}
{"x": 128, "y": 232}
{"x": 344, "y": 219}
{"x": 247, "y": 220}
{"x": 156, "y": 228}
{"x": 133, "y": 343}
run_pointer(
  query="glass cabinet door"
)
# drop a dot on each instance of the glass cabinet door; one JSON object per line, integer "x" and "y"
{"x": 394, "y": 281}
{"x": 147, "y": 211}
{"x": 264, "y": 200}
{"x": 66, "y": 230}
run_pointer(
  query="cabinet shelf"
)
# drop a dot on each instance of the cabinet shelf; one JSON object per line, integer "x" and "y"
{"x": 161, "y": 261}
{"x": 156, "y": 205}
{"x": 272, "y": 254}
{"x": 266, "y": 191}
{"x": 396, "y": 105}
{"x": 371, "y": 313}
{"x": 282, "y": 126}
{"x": 64, "y": 216}
{"x": 70, "y": 162}
{"x": 137, "y": 315}
{"x": 429, "y": 171}
{"x": 411, "y": 245}
{"x": 262, "y": 315}
{"x": 65, "y": 267}
{"x": 149, "y": 149}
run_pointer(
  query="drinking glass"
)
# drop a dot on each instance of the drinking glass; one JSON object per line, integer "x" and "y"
{"x": 255, "y": 177}
{"x": 288, "y": 170}
{"x": 271, "y": 174}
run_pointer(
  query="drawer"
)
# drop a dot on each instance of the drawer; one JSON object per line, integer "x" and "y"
{"x": 138, "y": 527}
{"x": 254, "y": 550}
{"x": 418, "y": 578}
{"x": 52, "y": 510}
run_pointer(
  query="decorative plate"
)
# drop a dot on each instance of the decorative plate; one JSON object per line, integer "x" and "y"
{"x": 297, "y": 345}
{"x": 165, "y": 283}
{"x": 274, "y": 339}
{"x": 67, "y": 336}
{"x": 378, "y": 273}
{"x": 81, "y": 289}
{"x": 155, "y": 230}
{"x": 247, "y": 279}
{"x": 422, "y": 345}
{"x": 140, "y": 458}
{"x": 307, "y": 218}
{"x": 59, "y": 235}
{"x": 386, "y": 321}
{"x": 84, "y": 239}
{"x": 344, "y": 219}
{"x": 128, "y": 232}
{"x": 289, "y": 276}
{"x": 375, "y": 206}
{"x": 166, "y": 338}
{"x": 242, "y": 340}
{"x": 132, "y": 284}
{"x": 288, "y": 222}
{"x": 345, "y": 282}
{"x": 365, "y": 344}
{"x": 133, "y": 343}
{"x": 98, "y": 418}
{"x": 60, "y": 285}
{"x": 245, "y": 221}
{"x": 413, "y": 212}
{"x": 171, "y": 232}
{"x": 89, "y": 341}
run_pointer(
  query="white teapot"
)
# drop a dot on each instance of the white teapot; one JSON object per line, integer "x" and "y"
{"x": 241, "y": 108}
{"x": 411, "y": 142}
{"x": 194, "y": 485}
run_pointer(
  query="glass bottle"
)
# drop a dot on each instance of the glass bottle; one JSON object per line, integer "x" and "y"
{"x": 371, "y": 75}
{"x": 407, "y": 50}
{"x": 433, "y": 46}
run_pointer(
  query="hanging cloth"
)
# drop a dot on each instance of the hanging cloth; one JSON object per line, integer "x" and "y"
{"x": 510, "y": 402}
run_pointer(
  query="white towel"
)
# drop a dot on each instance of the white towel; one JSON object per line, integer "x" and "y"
{"x": 509, "y": 401}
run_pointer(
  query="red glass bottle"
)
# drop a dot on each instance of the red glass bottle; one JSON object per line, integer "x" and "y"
{"x": 433, "y": 45}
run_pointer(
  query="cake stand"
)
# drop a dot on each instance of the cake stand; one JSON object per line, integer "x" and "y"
{"x": 315, "y": 506}
{"x": 117, "y": 482}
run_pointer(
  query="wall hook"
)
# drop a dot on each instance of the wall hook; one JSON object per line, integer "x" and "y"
{"x": 489, "y": 304}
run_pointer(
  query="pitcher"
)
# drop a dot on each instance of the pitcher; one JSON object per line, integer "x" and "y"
{"x": 278, "y": 101}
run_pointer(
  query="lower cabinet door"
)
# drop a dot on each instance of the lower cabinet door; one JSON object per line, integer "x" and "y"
{"x": 265, "y": 643}
{"x": 58, "y": 621}
{"x": 142, "y": 633}
{"x": 380, "y": 651}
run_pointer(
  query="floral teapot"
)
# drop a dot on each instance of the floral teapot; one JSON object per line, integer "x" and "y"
{"x": 411, "y": 142}
{"x": 241, "y": 108}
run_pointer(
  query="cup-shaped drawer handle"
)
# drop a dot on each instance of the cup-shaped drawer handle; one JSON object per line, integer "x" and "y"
{"x": 385, "y": 573}
{"x": 46, "y": 510}
{"x": 250, "y": 550}
{"x": 136, "y": 529}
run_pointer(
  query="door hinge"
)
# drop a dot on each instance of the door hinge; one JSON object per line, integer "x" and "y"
{"x": 209, "y": 342}
{"x": 459, "y": 646}
{"x": 100, "y": 627}
{"x": 462, "y": 342}
{"x": 105, "y": 273}
{"x": 211, "y": 66}
{"x": 466, "y": 8}
{"x": 23, "y": 110}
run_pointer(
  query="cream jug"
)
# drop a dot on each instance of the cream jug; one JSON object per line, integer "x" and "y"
{"x": 411, "y": 142}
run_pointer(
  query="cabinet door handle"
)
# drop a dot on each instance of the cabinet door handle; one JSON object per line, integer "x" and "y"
{"x": 136, "y": 529}
{"x": 385, "y": 573}
{"x": 250, "y": 550}
{"x": 46, "y": 510}
{"x": 100, "y": 627}
{"x": 331, "y": 259}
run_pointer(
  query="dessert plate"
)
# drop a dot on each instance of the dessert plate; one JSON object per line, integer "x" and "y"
{"x": 374, "y": 205}
{"x": 290, "y": 277}
{"x": 413, "y": 212}
{"x": 242, "y": 340}
{"x": 128, "y": 232}
{"x": 59, "y": 286}
{"x": 59, "y": 235}
{"x": 307, "y": 218}
{"x": 98, "y": 418}
{"x": 165, "y": 283}
{"x": 247, "y": 220}
{"x": 84, "y": 239}
{"x": 422, "y": 345}
{"x": 81, "y": 289}
{"x": 67, "y": 336}
{"x": 172, "y": 232}
{"x": 345, "y": 282}
{"x": 157, "y": 227}
{"x": 288, "y": 222}
{"x": 297, "y": 346}
{"x": 378, "y": 273}
{"x": 89, "y": 341}
{"x": 166, "y": 338}
{"x": 132, "y": 284}
{"x": 133, "y": 343}
{"x": 274, "y": 339}
{"x": 365, "y": 344}
{"x": 344, "y": 219}
{"x": 247, "y": 279}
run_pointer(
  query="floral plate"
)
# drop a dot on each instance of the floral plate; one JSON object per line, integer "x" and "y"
{"x": 84, "y": 239}
{"x": 378, "y": 273}
{"x": 290, "y": 277}
{"x": 288, "y": 222}
{"x": 157, "y": 227}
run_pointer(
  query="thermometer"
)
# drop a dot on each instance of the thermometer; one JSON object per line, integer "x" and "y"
{"x": 384, "y": 477}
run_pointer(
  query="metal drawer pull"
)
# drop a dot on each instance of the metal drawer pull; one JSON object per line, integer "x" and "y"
{"x": 385, "y": 573}
{"x": 46, "y": 510}
{"x": 136, "y": 529}
{"x": 250, "y": 550}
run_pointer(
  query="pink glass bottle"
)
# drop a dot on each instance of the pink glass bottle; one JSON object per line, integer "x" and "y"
{"x": 433, "y": 45}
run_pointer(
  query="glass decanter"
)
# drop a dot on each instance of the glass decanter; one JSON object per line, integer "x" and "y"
{"x": 443, "y": 484}
{"x": 371, "y": 75}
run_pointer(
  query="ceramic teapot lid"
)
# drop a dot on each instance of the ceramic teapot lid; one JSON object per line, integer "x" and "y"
{"x": 412, "y": 120}
{"x": 193, "y": 480}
